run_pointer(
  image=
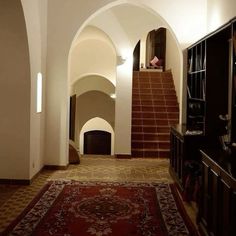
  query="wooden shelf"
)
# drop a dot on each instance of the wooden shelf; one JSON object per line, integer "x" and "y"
{"x": 196, "y": 72}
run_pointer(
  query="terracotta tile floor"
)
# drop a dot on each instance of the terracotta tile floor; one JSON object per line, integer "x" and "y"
{"x": 13, "y": 199}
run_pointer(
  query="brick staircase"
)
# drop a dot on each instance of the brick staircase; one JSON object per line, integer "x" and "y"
{"x": 154, "y": 110}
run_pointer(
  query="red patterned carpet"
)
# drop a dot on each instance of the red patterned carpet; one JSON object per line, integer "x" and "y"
{"x": 71, "y": 208}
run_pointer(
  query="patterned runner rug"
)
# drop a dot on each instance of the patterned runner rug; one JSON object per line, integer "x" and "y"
{"x": 71, "y": 208}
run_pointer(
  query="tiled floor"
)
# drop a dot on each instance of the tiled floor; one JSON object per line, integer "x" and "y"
{"x": 13, "y": 199}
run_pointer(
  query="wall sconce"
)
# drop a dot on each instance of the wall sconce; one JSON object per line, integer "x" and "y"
{"x": 39, "y": 95}
{"x": 120, "y": 60}
{"x": 113, "y": 95}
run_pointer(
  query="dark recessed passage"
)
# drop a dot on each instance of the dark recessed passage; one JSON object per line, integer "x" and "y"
{"x": 97, "y": 142}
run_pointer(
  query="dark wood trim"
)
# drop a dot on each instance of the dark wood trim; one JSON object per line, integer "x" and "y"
{"x": 20, "y": 181}
{"x": 15, "y": 181}
{"x": 36, "y": 175}
{"x": 176, "y": 179}
{"x": 123, "y": 156}
{"x": 72, "y": 117}
{"x": 55, "y": 167}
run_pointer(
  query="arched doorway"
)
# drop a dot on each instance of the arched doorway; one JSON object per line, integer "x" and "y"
{"x": 156, "y": 46}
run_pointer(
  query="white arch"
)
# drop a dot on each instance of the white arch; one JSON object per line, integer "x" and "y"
{"x": 93, "y": 82}
{"x": 144, "y": 6}
{"x": 162, "y": 23}
{"x": 96, "y": 123}
{"x": 124, "y": 45}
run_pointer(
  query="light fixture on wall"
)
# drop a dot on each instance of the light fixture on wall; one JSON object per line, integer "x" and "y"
{"x": 39, "y": 92}
{"x": 113, "y": 95}
{"x": 120, "y": 60}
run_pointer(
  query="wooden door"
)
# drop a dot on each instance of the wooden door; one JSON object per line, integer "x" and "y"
{"x": 136, "y": 57}
{"x": 97, "y": 142}
{"x": 72, "y": 117}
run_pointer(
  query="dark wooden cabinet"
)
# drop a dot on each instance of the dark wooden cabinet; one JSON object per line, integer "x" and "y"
{"x": 211, "y": 92}
{"x": 217, "y": 210}
{"x": 184, "y": 148}
{"x": 208, "y": 81}
{"x": 233, "y": 82}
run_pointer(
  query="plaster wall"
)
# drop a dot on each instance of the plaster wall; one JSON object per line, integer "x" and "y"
{"x": 35, "y": 13}
{"x": 14, "y": 93}
{"x": 219, "y": 12}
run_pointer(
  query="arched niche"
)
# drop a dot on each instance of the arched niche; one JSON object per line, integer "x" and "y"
{"x": 96, "y": 123}
{"x": 93, "y": 104}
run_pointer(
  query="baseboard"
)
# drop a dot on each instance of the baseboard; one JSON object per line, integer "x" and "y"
{"x": 15, "y": 181}
{"x": 20, "y": 181}
{"x": 29, "y": 181}
{"x": 55, "y": 167}
{"x": 123, "y": 156}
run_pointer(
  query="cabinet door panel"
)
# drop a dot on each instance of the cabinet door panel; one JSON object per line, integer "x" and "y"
{"x": 213, "y": 212}
{"x": 232, "y": 214}
{"x": 206, "y": 196}
{"x": 180, "y": 159}
{"x": 224, "y": 211}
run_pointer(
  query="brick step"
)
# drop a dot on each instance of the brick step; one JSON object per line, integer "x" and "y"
{"x": 152, "y": 74}
{"x": 159, "y": 122}
{"x": 155, "y": 115}
{"x": 155, "y": 102}
{"x": 148, "y": 85}
{"x": 157, "y": 108}
{"x": 153, "y": 80}
{"x": 151, "y": 104}
{"x": 150, "y": 128}
{"x": 153, "y": 90}
{"x": 150, "y": 136}
{"x": 147, "y": 91}
{"x": 151, "y": 153}
{"x": 154, "y": 97}
{"x": 150, "y": 144}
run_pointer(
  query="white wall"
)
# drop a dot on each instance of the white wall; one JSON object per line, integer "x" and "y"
{"x": 173, "y": 62}
{"x": 14, "y": 93}
{"x": 123, "y": 106}
{"x": 143, "y": 51}
{"x": 36, "y": 15}
{"x": 96, "y": 124}
{"x": 219, "y": 12}
{"x": 187, "y": 19}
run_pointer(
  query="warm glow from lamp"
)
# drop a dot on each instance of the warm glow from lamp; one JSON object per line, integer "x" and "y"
{"x": 39, "y": 92}
{"x": 113, "y": 95}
